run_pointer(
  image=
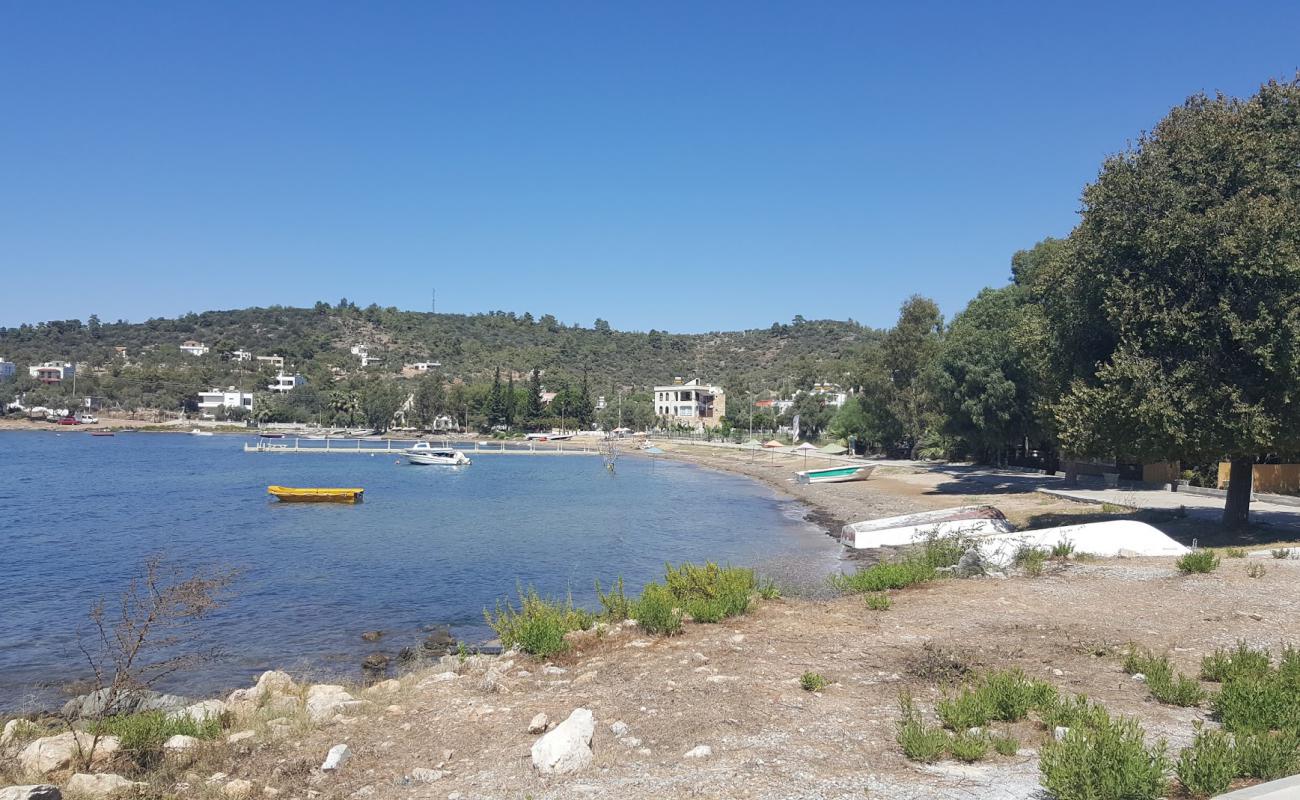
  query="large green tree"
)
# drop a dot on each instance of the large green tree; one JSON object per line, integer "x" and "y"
{"x": 909, "y": 350}
{"x": 1184, "y": 272}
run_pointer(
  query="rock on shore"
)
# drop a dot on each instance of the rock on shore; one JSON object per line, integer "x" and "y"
{"x": 567, "y": 748}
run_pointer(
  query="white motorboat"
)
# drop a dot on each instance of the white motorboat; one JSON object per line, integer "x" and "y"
{"x": 197, "y": 432}
{"x": 424, "y": 453}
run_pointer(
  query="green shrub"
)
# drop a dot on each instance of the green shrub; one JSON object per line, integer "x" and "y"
{"x": 1062, "y": 549}
{"x": 1106, "y": 759}
{"x": 1006, "y": 746}
{"x": 1009, "y": 694}
{"x": 968, "y": 747}
{"x": 942, "y": 551}
{"x": 538, "y": 626}
{"x": 1258, "y": 704}
{"x": 1267, "y": 756}
{"x": 878, "y": 601}
{"x": 1031, "y": 560}
{"x": 1281, "y": 553}
{"x": 1165, "y": 685}
{"x": 714, "y": 592}
{"x": 656, "y": 611}
{"x": 883, "y": 576}
{"x": 1073, "y": 712}
{"x": 615, "y": 606}
{"x": 768, "y": 590}
{"x": 919, "y": 742}
{"x": 812, "y": 682}
{"x": 1235, "y": 552}
{"x": 1208, "y": 766}
{"x": 143, "y": 734}
{"x": 968, "y": 709}
{"x": 1223, "y": 665}
{"x": 1198, "y": 561}
{"x": 1255, "y": 570}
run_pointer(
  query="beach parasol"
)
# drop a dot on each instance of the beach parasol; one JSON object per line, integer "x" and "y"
{"x": 753, "y": 446}
{"x": 804, "y": 448}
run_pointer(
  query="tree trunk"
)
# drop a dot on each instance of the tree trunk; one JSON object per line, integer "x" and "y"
{"x": 1236, "y": 512}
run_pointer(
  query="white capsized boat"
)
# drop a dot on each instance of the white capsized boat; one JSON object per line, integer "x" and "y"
{"x": 910, "y": 528}
{"x": 425, "y": 453}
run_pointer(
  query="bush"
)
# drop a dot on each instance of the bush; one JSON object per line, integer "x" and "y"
{"x": 968, "y": 747}
{"x": 1258, "y": 704}
{"x": 968, "y": 709}
{"x": 883, "y": 576}
{"x": 1106, "y": 759}
{"x": 1031, "y": 560}
{"x": 919, "y": 742}
{"x": 812, "y": 682}
{"x": 768, "y": 590}
{"x": 1208, "y": 766}
{"x": 1010, "y": 695}
{"x": 656, "y": 611}
{"x": 710, "y": 592}
{"x": 1006, "y": 746}
{"x": 143, "y": 734}
{"x": 1198, "y": 561}
{"x": 1222, "y": 665}
{"x": 878, "y": 601}
{"x": 1267, "y": 756}
{"x": 538, "y": 626}
{"x": 1235, "y": 552}
{"x": 1165, "y": 685}
{"x": 1281, "y": 553}
{"x": 1062, "y": 549}
{"x": 615, "y": 606}
{"x": 1075, "y": 712}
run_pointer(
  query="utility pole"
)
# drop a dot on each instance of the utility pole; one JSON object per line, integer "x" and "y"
{"x": 433, "y": 301}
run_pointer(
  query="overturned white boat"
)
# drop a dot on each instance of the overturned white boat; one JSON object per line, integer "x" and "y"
{"x": 911, "y": 528}
{"x": 1120, "y": 537}
{"x": 426, "y": 454}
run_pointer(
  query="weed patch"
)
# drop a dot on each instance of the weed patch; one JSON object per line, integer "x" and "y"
{"x": 1165, "y": 685}
{"x": 1267, "y": 756}
{"x": 968, "y": 747}
{"x": 142, "y": 735}
{"x": 1223, "y": 665}
{"x": 1208, "y": 766}
{"x": 1005, "y": 745}
{"x": 1199, "y": 561}
{"x": 538, "y": 626}
{"x": 614, "y": 604}
{"x": 1235, "y": 552}
{"x": 878, "y": 601}
{"x": 919, "y": 742}
{"x": 1107, "y": 758}
{"x": 812, "y": 682}
{"x": 656, "y": 611}
{"x": 939, "y": 664}
{"x": 1031, "y": 560}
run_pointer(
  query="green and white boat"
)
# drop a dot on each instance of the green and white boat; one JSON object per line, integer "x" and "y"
{"x": 835, "y": 474}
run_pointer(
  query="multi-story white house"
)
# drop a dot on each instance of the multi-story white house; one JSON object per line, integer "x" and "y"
{"x": 194, "y": 348}
{"x": 225, "y": 398}
{"x": 286, "y": 383}
{"x": 240, "y": 355}
{"x": 53, "y": 371}
{"x": 7, "y": 369}
{"x": 691, "y": 403}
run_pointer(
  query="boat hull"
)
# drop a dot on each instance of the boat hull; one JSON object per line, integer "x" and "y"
{"x": 835, "y": 474}
{"x": 289, "y": 494}
{"x": 454, "y": 459}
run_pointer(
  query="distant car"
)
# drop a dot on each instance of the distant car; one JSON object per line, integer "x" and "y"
{"x": 68, "y": 421}
{"x": 86, "y": 419}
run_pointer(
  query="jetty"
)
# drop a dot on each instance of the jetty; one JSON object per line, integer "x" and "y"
{"x": 399, "y": 447}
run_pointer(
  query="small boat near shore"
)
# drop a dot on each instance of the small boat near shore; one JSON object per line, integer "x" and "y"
{"x": 835, "y": 474}
{"x": 197, "y": 432}
{"x": 101, "y": 433}
{"x": 427, "y": 454}
{"x": 289, "y": 494}
{"x": 262, "y": 435}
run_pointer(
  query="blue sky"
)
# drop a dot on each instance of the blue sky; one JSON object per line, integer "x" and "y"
{"x": 682, "y": 166}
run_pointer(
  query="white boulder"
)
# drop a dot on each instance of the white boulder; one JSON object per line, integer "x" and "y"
{"x": 52, "y": 753}
{"x": 324, "y": 700}
{"x": 539, "y": 723}
{"x": 336, "y": 757}
{"x": 702, "y": 751}
{"x": 13, "y": 729}
{"x": 567, "y": 748}
{"x": 85, "y": 784}
{"x": 201, "y": 711}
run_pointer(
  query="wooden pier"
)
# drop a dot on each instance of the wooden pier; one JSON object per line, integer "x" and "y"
{"x": 399, "y": 447}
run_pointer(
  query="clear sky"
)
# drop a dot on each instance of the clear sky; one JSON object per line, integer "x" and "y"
{"x": 683, "y": 166}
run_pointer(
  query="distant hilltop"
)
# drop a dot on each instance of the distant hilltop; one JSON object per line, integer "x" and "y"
{"x": 343, "y": 339}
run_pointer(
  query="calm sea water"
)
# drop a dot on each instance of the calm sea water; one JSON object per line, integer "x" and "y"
{"x": 429, "y": 546}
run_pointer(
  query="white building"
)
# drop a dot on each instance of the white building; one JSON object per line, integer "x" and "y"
{"x": 831, "y": 394}
{"x": 7, "y": 369}
{"x": 225, "y": 398}
{"x": 286, "y": 383}
{"x": 691, "y": 403}
{"x": 274, "y": 361}
{"x": 53, "y": 371}
{"x": 240, "y": 355}
{"x": 194, "y": 348}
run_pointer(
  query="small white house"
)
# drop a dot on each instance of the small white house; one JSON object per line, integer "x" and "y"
{"x": 225, "y": 398}
{"x": 272, "y": 360}
{"x": 287, "y": 383}
{"x": 7, "y": 369}
{"x": 194, "y": 348}
{"x": 240, "y": 355}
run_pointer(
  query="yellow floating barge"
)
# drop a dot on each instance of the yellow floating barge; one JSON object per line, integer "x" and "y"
{"x": 288, "y": 494}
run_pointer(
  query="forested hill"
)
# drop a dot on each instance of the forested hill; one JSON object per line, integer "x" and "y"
{"x": 469, "y": 347}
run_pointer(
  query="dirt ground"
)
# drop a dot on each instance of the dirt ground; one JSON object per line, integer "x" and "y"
{"x": 734, "y": 687}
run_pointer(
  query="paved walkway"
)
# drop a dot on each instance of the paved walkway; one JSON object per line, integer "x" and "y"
{"x": 1210, "y": 509}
